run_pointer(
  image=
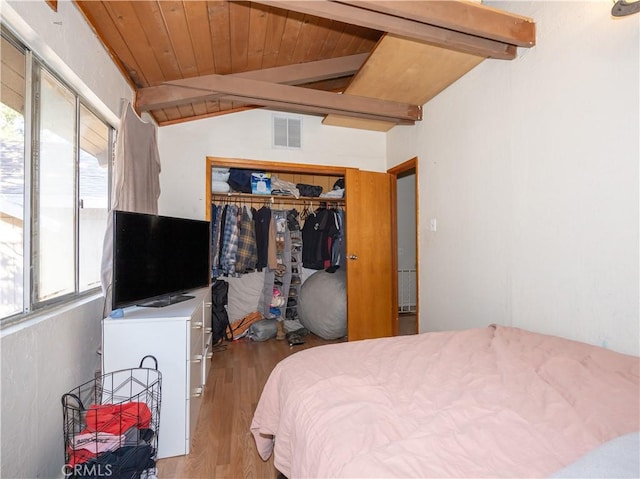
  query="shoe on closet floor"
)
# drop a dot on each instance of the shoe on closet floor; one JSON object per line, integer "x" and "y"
{"x": 280, "y": 335}
{"x": 294, "y": 339}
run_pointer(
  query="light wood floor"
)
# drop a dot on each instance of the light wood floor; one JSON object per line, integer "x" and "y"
{"x": 222, "y": 446}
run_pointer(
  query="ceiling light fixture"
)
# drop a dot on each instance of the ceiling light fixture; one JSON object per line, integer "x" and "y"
{"x": 622, "y": 8}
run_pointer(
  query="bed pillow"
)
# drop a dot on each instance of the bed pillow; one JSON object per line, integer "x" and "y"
{"x": 617, "y": 458}
{"x": 220, "y": 187}
{"x": 220, "y": 176}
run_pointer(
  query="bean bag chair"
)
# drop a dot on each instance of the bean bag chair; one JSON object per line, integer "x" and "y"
{"x": 322, "y": 306}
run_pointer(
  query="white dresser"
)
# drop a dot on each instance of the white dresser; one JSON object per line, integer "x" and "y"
{"x": 179, "y": 337}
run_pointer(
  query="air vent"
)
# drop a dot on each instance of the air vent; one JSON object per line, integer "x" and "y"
{"x": 287, "y": 132}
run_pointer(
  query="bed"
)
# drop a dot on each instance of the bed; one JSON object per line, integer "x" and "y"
{"x": 486, "y": 402}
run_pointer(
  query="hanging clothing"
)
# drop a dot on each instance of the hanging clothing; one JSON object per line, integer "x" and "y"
{"x": 338, "y": 245}
{"x": 223, "y": 219}
{"x": 246, "y": 254}
{"x": 230, "y": 246}
{"x": 262, "y": 220}
{"x": 215, "y": 216}
{"x": 272, "y": 259}
{"x": 135, "y": 183}
{"x": 317, "y": 235}
{"x": 218, "y": 235}
{"x": 137, "y": 166}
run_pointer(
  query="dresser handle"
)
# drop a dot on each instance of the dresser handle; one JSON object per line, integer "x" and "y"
{"x": 209, "y": 354}
{"x": 197, "y": 358}
{"x": 198, "y": 325}
{"x": 197, "y": 392}
{"x": 208, "y": 330}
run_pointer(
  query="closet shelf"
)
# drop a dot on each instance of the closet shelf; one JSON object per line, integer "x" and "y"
{"x": 271, "y": 199}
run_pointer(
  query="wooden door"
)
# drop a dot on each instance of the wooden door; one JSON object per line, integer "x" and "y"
{"x": 370, "y": 295}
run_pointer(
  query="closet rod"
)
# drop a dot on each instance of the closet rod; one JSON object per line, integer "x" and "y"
{"x": 232, "y": 196}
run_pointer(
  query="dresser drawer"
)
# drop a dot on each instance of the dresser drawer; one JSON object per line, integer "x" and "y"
{"x": 196, "y": 391}
{"x": 196, "y": 341}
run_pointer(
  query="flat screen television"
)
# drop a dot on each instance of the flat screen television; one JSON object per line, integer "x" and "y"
{"x": 156, "y": 259}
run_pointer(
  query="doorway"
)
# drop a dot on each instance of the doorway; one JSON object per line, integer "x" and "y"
{"x": 405, "y": 212}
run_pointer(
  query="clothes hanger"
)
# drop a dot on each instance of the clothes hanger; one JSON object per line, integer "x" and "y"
{"x": 305, "y": 212}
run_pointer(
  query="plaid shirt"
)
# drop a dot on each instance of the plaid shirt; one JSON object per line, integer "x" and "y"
{"x": 229, "y": 241}
{"x": 247, "y": 253}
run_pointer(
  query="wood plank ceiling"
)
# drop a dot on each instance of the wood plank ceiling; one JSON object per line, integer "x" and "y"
{"x": 195, "y": 59}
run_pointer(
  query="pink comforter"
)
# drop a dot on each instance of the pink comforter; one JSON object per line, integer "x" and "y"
{"x": 490, "y": 402}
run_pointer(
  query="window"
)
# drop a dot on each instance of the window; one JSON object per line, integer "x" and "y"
{"x": 94, "y": 195}
{"x": 54, "y": 187}
{"x": 55, "y": 157}
{"x": 12, "y": 174}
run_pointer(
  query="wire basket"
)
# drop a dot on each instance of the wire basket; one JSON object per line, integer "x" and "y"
{"x": 111, "y": 425}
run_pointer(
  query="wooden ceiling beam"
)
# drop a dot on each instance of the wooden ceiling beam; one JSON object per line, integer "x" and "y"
{"x": 349, "y": 112}
{"x": 196, "y": 89}
{"x": 467, "y": 17}
{"x": 291, "y": 98}
{"x": 404, "y": 27}
{"x": 309, "y": 72}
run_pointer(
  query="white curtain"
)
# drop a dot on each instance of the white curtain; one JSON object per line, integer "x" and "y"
{"x": 135, "y": 184}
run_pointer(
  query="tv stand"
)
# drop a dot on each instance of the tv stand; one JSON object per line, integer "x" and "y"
{"x": 165, "y": 301}
{"x": 179, "y": 337}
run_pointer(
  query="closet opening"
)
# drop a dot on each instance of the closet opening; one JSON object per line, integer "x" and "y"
{"x": 368, "y": 274}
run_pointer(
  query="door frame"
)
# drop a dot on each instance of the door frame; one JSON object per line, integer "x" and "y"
{"x": 396, "y": 171}
{"x": 384, "y": 320}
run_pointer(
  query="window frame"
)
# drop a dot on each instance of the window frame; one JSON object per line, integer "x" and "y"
{"x": 34, "y": 65}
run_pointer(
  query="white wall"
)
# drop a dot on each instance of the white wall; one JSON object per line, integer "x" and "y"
{"x": 531, "y": 168}
{"x": 54, "y": 352}
{"x": 185, "y": 146}
{"x": 40, "y": 363}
